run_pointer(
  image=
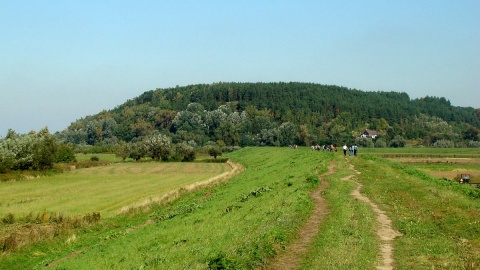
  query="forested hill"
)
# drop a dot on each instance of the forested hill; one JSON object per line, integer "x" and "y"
{"x": 296, "y": 101}
{"x": 322, "y": 112}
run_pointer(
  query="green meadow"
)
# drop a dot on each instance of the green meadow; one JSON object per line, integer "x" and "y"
{"x": 105, "y": 189}
{"x": 247, "y": 221}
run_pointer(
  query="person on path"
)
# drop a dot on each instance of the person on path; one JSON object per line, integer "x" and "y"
{"x": 355, "y": 149}
{"x": 345, "y": 150}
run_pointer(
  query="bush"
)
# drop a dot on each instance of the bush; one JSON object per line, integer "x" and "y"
{"x": 214, "y": 152}
{"x": 398, "y": 141}
{"x": 65, "y": 154}
{"x": 380, "y": 143}
{"x": 189, "y": 157}
{"x": 473, "y": 144}
{"x": 94, "y": 158}
{"x": 443, "y": 144}
{"x": 364, "y": 142}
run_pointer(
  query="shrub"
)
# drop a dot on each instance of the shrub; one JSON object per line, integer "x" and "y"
{"x": 443, "y": 144}
{"x": 380, "y": 143}
{"x": 65, "y": 154}
{"x": 398, "y": 141}
{"x": 184, "y": 152}
{"x": 214, "y": 151}
{"x": 94, "y": 158}
{"x": 473, "y": 144}
{"x": 364, "y": 142}
{"x": 189, "y": 157}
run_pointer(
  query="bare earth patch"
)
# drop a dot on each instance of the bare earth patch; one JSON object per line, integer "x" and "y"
{"x": 291, "y": 258}
{"x": 385, "y": 231}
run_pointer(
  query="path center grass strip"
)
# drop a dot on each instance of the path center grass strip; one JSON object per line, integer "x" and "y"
{"x": 347, "y": 238}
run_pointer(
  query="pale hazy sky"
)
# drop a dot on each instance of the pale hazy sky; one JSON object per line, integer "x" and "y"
{"x": 64, "y": 60}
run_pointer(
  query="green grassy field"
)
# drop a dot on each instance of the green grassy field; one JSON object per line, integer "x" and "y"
{"x": 256, "y": 215}
{"x": 104, "y": 189}
{"x": 251, "y": 215}
{"x": 423, "y": 152}
{"x": 447, "y": 163}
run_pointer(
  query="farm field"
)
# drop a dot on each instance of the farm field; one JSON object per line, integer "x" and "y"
{"x": 258, "y": 215}
{"x": 447, "y": 163}
{"x": 104, "y": 189}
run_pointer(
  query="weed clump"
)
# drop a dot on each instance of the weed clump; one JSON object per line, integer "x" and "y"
{"x": 220, "y": 261}
{"x": 9, "y": 219}
{"x": 255, "y": 193}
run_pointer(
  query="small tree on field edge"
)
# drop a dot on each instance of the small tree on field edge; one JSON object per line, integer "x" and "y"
{"x": 214, "y": 152}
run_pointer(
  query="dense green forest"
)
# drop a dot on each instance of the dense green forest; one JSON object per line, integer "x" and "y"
{"x": 174, "y": 122}
{"x": 277, "y": 114}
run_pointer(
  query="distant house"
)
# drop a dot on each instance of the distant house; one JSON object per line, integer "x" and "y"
{"x": 370, "y": 134}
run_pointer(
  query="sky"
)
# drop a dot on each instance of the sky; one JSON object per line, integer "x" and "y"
{"x": 63, "y": 60}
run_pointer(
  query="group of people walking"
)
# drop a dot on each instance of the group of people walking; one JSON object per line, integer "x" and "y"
{"x": 325, "y": 147}
{"x": 352, "y": 150}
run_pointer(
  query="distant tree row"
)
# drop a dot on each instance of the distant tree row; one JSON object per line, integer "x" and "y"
{"x": 37, "y": 151}
{"x": 156, "y": 147}
{"x": 165, "y": 124}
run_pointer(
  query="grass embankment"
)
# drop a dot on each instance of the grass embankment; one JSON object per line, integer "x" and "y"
{"x": 237, "y": 225}
{"x": 438, "y": 219}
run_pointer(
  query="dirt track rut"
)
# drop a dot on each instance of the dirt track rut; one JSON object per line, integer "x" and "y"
{"x": 384, "y": 230}
{"x": 291, "y": 258}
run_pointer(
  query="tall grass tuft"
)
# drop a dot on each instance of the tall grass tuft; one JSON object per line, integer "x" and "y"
{"x": 8, "y": 219}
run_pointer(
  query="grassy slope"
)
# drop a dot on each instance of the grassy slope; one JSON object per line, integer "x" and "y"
{"x": 236, "y": 225}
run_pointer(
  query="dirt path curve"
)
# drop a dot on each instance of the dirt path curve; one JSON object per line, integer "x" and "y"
{"x": 291, "y": 258}
{"x": 385, "y": 231}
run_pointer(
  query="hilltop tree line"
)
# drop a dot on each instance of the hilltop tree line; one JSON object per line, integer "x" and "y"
{"x": 243, "y": 114}
{"x": 170, "y": 124}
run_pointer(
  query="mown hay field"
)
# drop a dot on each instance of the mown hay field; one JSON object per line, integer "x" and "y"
{"x": 104, "y": 189}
